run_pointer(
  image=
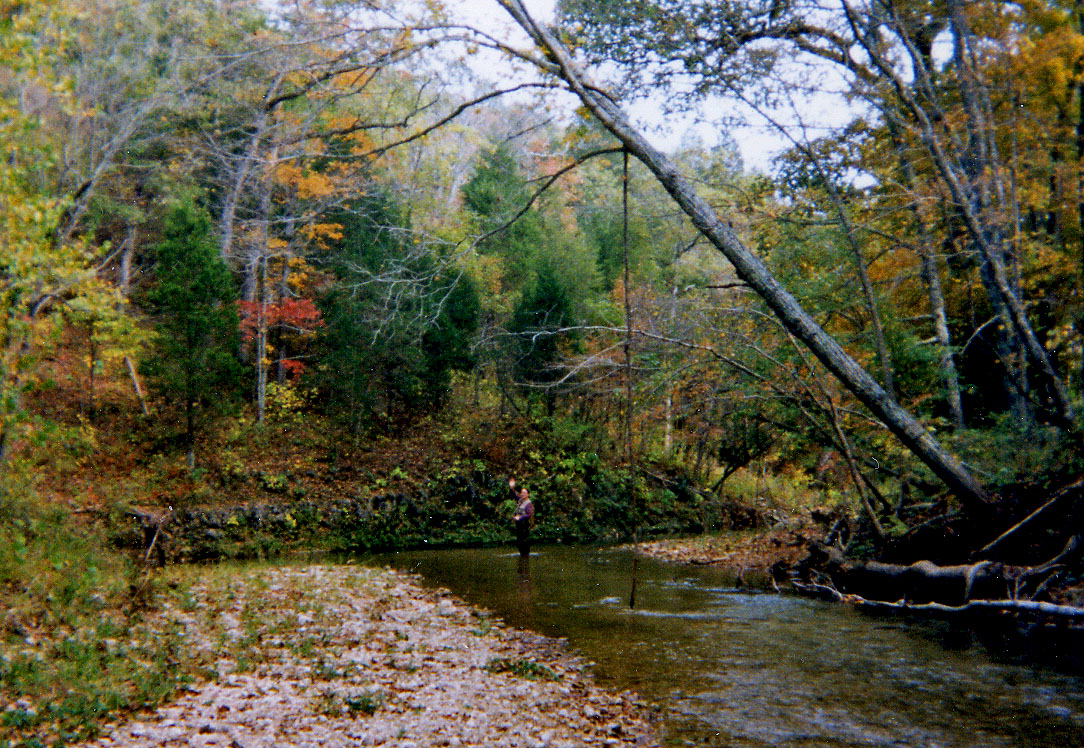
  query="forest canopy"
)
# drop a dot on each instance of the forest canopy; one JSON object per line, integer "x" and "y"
{"x": 389, "y": 202}
{"x": 334, "y": 275}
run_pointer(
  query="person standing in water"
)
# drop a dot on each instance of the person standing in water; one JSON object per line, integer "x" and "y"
{"x": 524, "y": 518}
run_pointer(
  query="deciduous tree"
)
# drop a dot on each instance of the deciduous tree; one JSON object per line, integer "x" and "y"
{"x": 558, "y": 61}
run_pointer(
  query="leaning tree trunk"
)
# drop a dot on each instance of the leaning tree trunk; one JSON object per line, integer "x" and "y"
{"x": 931, "y": 276}
{"x": 753, "y": 271}
{"x": 880, "y": 341}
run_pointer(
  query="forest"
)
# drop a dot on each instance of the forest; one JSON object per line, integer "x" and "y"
{"x": 269, "y": 264}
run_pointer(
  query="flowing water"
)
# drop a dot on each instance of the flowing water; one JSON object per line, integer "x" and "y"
{"x": 733, "y": 667}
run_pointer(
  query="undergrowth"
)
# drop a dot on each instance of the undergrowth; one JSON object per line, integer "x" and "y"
{"x": 71, "y": 652}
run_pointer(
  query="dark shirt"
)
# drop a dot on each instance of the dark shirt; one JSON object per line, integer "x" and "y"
{"x": 525, "y": 510}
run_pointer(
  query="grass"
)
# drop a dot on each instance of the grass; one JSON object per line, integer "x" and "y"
{"x": 125, "y": 640}
{"x": 75, "y": 649}
{"x": 366, "y": 702}
{"x": 528, "y": 669}
{"x": 485, "y": 626}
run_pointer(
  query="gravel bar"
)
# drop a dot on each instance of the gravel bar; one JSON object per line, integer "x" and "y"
{"x": 355, "y": 656}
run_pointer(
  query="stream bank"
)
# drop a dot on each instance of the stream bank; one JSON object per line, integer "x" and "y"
{"x": 350, "y": 655}
{"x": 760, "y": 553}
{"x": 467, "y": 509}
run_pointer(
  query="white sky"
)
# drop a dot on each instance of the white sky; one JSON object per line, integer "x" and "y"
{"x": 757, "y": 144}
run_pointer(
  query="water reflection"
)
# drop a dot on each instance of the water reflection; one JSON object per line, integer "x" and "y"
{"x": 525, "y": 589}
{"x": 738, "y": 668}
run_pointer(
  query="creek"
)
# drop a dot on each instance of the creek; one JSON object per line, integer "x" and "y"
{"x": 729, "y": 666}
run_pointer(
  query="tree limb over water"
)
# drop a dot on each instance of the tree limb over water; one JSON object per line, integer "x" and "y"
{"x": 751, "y": 269}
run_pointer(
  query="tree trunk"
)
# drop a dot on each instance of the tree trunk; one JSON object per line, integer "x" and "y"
{"x": 190, "y": 432}
{"x": 754, "y": 272}
{"x": 263, "y": 286}
{"x": 852, "y": 468}
{"x": 980, "y": 168}
{"x": 124, "y": 269}
{"x": 261, "y": 369}
{"x": 931, "y": 277}
{"x": 134, "y": 376}
{"x": 880, "y": 342}
{"x": 920, "y": 582}
{"x": 261, "y": 349}
{"x": 92, "y": 357}
{"x": 925, "y": 582}
{"x": 228, "y": 216}
{"x": 668, "y": 434}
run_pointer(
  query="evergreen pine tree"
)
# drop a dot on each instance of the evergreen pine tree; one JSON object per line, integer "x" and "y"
{"x": 392, "y": 362}
{"x": 193, "y": 364}
{"x": 537, "y": 321}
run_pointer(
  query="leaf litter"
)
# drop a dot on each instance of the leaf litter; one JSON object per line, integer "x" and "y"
{"x": 353, "y": 656}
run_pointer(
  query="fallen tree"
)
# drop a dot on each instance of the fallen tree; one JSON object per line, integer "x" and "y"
{"x": 1053, "y": 610}
{"x": 924, "y": 585}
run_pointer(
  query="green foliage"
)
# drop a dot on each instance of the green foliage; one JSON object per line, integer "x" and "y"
{"x": 274, "y": 482}
{"x": 366, "y": 702}
{"x": 628, "y": 34}
{"x": 915, "y": 366}
{"x": 39, "y": 270}
{"x": 495, "y": 194}
{"x": 604, "y": 232}
{"x": 398, "y": 323}
{"x": 1011, "y": 454}
{"x": 448, "y": 341}
{"x": 600, "y": 221}
{"x": 73, "y": 653}
{"x": 56, "y": 567}
{"x": 193, "y": 361}
{"x": 537, "y": 322}
{"x": 497, "y": 190}
{"x": 528, "y": 669}
{"x": 744, "y": 436}
{"x": 110, "y": 333}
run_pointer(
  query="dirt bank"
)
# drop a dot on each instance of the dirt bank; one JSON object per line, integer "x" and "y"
{"x": 350, "y": 656}
{"x": 740, "y": 551}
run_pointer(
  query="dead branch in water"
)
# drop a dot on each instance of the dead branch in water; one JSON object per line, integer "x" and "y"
{"x": 830, "y": 593}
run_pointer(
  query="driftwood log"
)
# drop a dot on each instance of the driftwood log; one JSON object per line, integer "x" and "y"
{"x": 925, "y": 582}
